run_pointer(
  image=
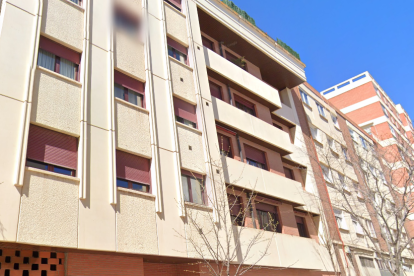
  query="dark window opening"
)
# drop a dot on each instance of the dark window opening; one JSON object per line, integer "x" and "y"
{"x": 16, "y": 266}
{"x": 53, "y": 267}
{"x": 245, "y": 108}
{"x": 256, "y": 164}
{"x": 181, "y": 57}
{"x": 236, "y": 210}
{"x": 25, "y": 260}
{"x": 7, "y": 260}
{"x": 175, "y": 3}
{"x": 44, "y": 261}
{"x": 185, "y": 122}
{"x": 35, "y": 267}
{"x": 35, "y": 254}
{"x": 207, "y": 43}
{"x": 215, "y": 90}
{"x": 128, "y": 95}
{"x": 300, "y": 222}
{"x": 237, "y": 61}
{"x": 126, "y": 21}
{"x": 224, "y": 145}
{"x": 25, "y": 273}
{"x": 269, "y": 221}
{"x": 289, "y": 173}
{"x": 53, "y": 255}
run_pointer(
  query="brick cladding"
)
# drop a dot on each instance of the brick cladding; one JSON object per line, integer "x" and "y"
{"x": 354, "y": 96}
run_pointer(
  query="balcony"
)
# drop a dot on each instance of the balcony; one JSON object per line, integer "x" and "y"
{"x": 261, "y": 91}
{"x": 252, "y": 127}
{"x": 264, "y": 182}
{"x": 288, "y": 251}
{"x": 287, "y": 113}
{"x": 63, "y": 20}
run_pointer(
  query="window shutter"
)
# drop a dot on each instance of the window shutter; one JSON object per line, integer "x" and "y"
{"x": 288, "y": 173}
{"x": 207, "y": 43}
{"x": 59, "y": 50}
{"x": 244, "y": 102}
{"x": 300, "y": 220}
{"x": 176, "y": 3}
{"x": 255, "y": 154}
{"x": 177, "y": 46}
{"x": 129, "y": 82}
{"x": 266, "y": 207}
{"x": 132, "y": 167}
{"x": 52, "y": 147}
{"x": 215, "y": 90}
{"x": 185, "y": 110}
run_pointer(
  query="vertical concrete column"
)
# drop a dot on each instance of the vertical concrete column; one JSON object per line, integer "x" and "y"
{"x": 204, "y": 105}
{"x": 96, "y": 214}
{"x": 19, "y": 34}
{"x": 164, "y": 143}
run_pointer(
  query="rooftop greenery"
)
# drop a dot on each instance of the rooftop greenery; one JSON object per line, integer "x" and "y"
{"x": 244, "y": 15}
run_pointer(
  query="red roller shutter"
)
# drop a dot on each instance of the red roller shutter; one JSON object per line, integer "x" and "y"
{"x": 244, "y": 102}
{"x": 266, "y": 207}
{"x": 133, "y": 168}
{"x": 52, "y": 147}
{"x": 176, "y": 3}
{"x": 255, "y": 154}
{"x": 59, "y": 50}
{"x": 215, "y": 90}
{"x": 185, "y": 110}
{"x": 129, "y": 82}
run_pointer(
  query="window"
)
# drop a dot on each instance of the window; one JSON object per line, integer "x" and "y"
{"x": 77, "y": 2}
{"x": 58, "y": 58}
{"x": 345, "y": 152}
{"x": 215, "y": 90}
{"x": 185, "y": 113}
{"x": 245, "y": 105}
{"x": 207, "y": 43}
{"x": 331, "y": 144}
{"x": 193, "y": 186}
{"x": 177, "y": 51}
{"x": 381, "y": 265}
{"x": 335, "y": 121}
{"x": 52, "y": 151}
{"x": 133, "y": 172}
{"x": 279, "y": 127}
{"x": 385, "y": 110}
{"x": 340, "y": 219}
{"x": 268, "y": 217}
{"x": 327, "y": 174}
{"x": 129, "y": 89}
{"x": 321, "y": 110}
{"x": 236, "y": 210}
{"x": 237, "y": 61}
{"x": 366, "y": 262}
{"x": 316, "y": 134}
{"x": 392, "y": 130}
{"x": 371, "y": 229}
{"x": 363, "y": 143}
{"x": 126, "y": 21}
{"x": 255, "y": 157}
{"x": 304, "y": 96}
{"x": 358, "y": 191}
{"x": 357, "y": 226}
{"x": 175, "y": 3}
{"x": 368, "y": 130}
{"x": 353, "y": 134}
{"x": 303, "y": 231}
{"x": 289, "y": 173}
{"x": 224, "y": 145}
{"x": 342, "y": 181}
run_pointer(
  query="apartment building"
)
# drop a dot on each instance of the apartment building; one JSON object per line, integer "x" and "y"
{"x": 363, "y": 100}
{"x": 108, "y": 126}
{"x": 339, "y": 145}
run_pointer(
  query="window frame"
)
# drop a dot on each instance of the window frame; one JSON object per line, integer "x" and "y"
{"x": 305, "y": 227}
{"x": 304, "y": 96}
{"x": 189, "y": 176}
{"x": 57, "y": 66}
{"x": 174, "y": 54}
{"x": 179, "y": 8}
{"x": 49, "y": 167}
{"x": 126, "y": 95}
{"x": 321, "y": 110}
{"x": 276, "y": 218}
{"x": 130, "y": 185}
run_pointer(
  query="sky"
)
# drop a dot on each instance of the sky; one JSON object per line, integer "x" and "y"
{"x": 338, "y": 39}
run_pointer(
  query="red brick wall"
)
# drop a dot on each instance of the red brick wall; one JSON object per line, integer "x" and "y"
{"x": 163, "y": 269}
{"x": 89, "y": 264}
{"x": 354, "y": 96}
{"x": 366, "y": 113}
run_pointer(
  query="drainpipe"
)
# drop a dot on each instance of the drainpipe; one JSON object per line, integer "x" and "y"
{"x": 221, "y": 48}
{"x": 239, "y": 145}
{"x": 229, "y": 92}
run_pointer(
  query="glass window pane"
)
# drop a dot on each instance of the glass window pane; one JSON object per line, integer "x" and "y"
{"x": 140, "y": 187}
{"x": 119, "y": 91}
{"x": 75, "y": 1}
{"x": 122, "y": 183}
{"x": 35, "y": 164}
{"x": 170, "y": 51}
{"x": 67, "y": 68}
{"x": 62, "y": 170}
{"x": 132, "y": 97}
{"x": 185, "y": 188}
{"x": 46, "y": 60}
{"x": 196, "y": 190}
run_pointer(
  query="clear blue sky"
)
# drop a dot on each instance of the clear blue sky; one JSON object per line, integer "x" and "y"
{"x": 338, "y": 39}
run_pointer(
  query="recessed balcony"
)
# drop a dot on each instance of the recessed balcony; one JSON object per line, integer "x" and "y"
{"x": 261, "y": 181}
{"x": 252, "y": 127}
